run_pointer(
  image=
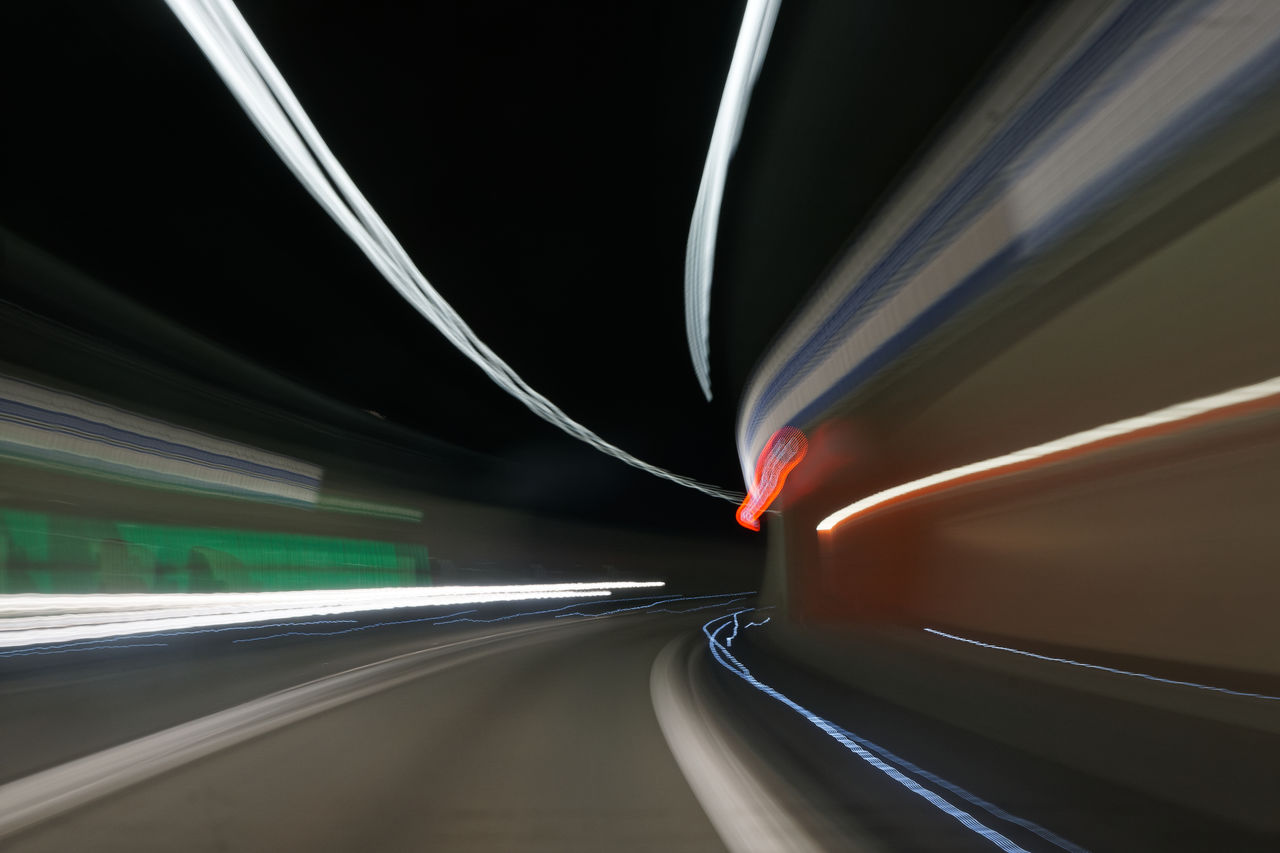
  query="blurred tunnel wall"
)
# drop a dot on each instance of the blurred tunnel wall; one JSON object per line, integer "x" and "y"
{"x": 1164, "y": 548}
{"x": 1156, "y": 284}
{"x": 80, "y": 531}
{"x": 383, "y": 505}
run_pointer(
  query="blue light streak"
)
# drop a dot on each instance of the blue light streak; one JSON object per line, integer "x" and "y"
{"x": 52, "y": 650}
{"x": 734, "y": 635}
{"x": 990, "y": 808}
{"x": 736, "y": 596}
{"x": 876, "y": 757}
{"x": 460, "y": 617}
{"x": 351, "y": 630}
{"x": 1113, "y": 670}
{"x": 729, "y": 603}
{"x": 72, "y": 645}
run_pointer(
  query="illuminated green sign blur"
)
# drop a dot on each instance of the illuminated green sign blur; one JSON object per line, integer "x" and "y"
{"x": 54, "y": 553}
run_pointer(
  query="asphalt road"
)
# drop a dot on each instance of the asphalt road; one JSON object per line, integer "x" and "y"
{"x": 539, "y": 738}
{"x": 615, "y": 733}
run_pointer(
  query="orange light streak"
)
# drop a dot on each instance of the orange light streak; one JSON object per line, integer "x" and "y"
{"x": 1229, "y": 404}
{"x": 782, "y": 452}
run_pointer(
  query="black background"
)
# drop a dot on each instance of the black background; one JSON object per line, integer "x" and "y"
{"x": 539, "y": 161}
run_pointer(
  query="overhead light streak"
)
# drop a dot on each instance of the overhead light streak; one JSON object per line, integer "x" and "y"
{"x": 700, "y": 252}
{"x": 1190, "y": 413}
{"x": 235, "y": 53}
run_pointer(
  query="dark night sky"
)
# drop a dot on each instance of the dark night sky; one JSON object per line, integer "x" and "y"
{"x": 538, "y": 161}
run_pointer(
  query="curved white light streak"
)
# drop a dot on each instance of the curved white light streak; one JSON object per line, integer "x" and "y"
{"x": 700, "y": 253}
{"x": 1161, "y": 417}
{"x": 235, "y": 53}
{"x": 46, "y": 619}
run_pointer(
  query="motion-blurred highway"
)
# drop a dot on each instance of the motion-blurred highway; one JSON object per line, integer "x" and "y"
{"x": 532, "y": 733}
{"x": 275, "y": 574}
{"x": 568, "y": 730}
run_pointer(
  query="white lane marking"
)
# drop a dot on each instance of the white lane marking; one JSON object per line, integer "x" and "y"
{"x": 1143, "y": 675}
{"x": 51, "y": 792}
{"x": 746, "y": 816}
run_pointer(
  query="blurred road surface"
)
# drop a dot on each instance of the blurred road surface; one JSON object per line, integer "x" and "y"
{"x": 544, "y": 741}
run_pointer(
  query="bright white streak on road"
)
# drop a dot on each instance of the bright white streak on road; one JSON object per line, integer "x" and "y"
{"x": 27, "y": 620}
{"x": 700, "y": 253}
{"x": 238, "y": 57}
{"x": 1161, "y": 417}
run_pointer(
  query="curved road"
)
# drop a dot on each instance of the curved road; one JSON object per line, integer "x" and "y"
{"x": 541, "y": 739}
{"x": 609, "y": 732}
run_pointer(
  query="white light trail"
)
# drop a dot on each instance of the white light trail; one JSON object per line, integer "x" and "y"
{"x": 700, "y": 253}
{"x": 32, "y": 619}
{"x": 1100, "y": 668}
{"x": 235, "y": 53}
{"x": 1162, "y": 417}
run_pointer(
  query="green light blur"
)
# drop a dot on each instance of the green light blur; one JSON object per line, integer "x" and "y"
{"x": 54, "y": 553}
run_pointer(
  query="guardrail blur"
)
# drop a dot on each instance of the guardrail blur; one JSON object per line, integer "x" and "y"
{"x": 47, "y": 427}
